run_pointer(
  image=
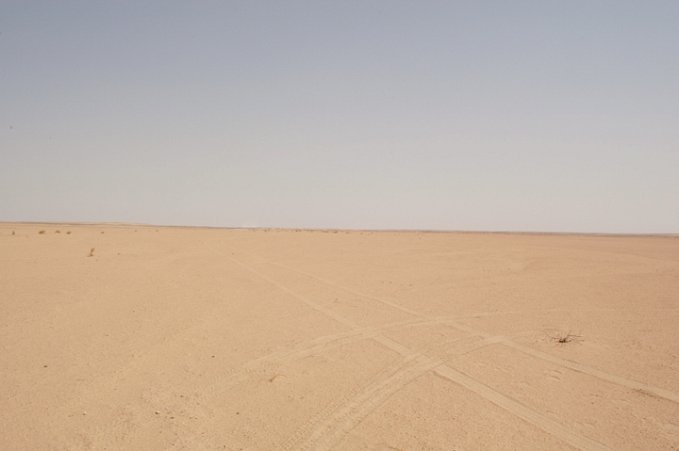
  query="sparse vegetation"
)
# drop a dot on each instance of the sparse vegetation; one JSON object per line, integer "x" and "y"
{"x": 567, "y": 337}
{"x": 42, "y": 232}
{"x": 91, "y": 254}
{"x": 57, "y": 231}
{"x": 68, "y": 232}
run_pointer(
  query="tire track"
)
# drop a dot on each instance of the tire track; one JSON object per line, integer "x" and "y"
{"x": 329, "y": 313}
{"x": 349, "y": 415}
{"x": 518, "y": 409}
{"x": 612, "y": 378}
{"x": 449, "y": 373}
{"x": 349, "y": 290}
{"x": 578, "y": 367}
{"x": 254, "y": 368}
{"x": 326, "y": 434}
{"x": 310, "y": 426}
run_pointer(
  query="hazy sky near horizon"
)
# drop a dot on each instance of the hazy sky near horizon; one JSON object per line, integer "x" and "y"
{"x": 476, "y": 115}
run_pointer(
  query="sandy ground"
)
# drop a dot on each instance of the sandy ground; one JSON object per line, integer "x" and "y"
{"x": 179, "y": 338}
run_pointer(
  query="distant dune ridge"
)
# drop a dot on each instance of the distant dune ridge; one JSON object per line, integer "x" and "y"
{"x": 127, "y": 336}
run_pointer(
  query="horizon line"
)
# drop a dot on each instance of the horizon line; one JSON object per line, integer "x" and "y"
{"x": 347, "y": 230}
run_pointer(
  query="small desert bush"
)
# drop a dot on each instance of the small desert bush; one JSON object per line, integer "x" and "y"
{"x": 566, "y": 337}
{"x": 91, "y": 254}
{"x": 42, "y": 232}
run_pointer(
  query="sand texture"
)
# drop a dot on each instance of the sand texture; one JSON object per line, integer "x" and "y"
{"x": 147, "y": 338}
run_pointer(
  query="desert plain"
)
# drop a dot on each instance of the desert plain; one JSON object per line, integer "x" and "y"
{"x": 137, "y": 337}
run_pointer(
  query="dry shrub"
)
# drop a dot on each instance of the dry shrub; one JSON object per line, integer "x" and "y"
{"x": 566, "y": 337}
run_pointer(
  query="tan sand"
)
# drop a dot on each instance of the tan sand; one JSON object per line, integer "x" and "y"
{"x": 180, "y": 338}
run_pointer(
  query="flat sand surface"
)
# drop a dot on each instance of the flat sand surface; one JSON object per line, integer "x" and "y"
{"x": 200, "y": 339}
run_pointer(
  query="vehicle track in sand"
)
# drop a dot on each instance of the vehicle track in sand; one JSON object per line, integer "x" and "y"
{"x": 578, "y": 367}
{"x": 325, "y": 435}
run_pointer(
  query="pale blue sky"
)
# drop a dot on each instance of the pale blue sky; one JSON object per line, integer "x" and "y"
{"x": 478, "y": 115}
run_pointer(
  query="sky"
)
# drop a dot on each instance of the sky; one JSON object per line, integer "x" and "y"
{"x": 478, "y": 115}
